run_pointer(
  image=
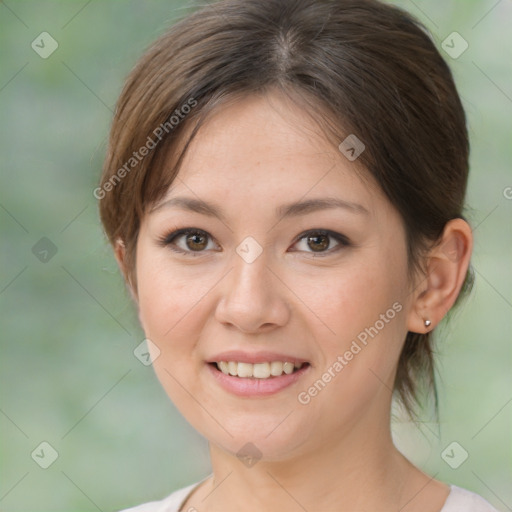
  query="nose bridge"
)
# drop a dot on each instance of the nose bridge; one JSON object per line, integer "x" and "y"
{"x": 251, "y": 296}
{"x": 250, "y": 279}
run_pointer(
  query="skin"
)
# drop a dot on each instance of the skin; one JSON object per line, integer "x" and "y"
{"x": 335, "y": 452}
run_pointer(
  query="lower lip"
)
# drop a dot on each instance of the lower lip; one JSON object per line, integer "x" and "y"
{"x": 252, "y": 386}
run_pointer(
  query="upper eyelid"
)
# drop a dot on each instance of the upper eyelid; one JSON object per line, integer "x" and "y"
{"x": 327, "y": 232}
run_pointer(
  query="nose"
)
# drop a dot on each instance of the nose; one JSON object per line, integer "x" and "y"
{"x": 253, "y": 299}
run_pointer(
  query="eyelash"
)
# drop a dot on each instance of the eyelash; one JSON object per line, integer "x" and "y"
{"x": 168, "y": 240}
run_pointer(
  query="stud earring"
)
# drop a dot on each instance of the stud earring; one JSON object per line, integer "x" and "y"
{"x": 427, "y": 323}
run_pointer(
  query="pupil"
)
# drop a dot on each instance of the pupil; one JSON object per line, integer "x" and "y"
{"x": 321, "y": 241}
{"x": 197, "y": 241}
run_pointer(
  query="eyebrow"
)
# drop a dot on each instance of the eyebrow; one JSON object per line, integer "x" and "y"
{"x": 284, "y": 211}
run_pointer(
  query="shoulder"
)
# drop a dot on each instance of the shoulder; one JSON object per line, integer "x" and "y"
{"x": 462, "y": 500}
{"x": 172, "y": 503}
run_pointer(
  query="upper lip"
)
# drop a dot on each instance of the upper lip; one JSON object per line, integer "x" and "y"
{"x": 255, "y": 357}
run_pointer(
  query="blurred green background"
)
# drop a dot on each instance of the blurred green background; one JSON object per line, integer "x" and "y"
{"x": 68, "y": 373}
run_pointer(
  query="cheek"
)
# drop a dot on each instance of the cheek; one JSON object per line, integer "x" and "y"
{"x": 364, "y": 308}
{"x": 353, "y": 299}
{"x": 169, "y": 297}
{"x": 173, "y": 311}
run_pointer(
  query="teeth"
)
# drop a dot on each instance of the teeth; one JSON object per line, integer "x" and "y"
{"x": 232, "y": 368}
{"x": 276, "y": 368}
{"x": 245, "y": 369}
{"x": 258, "y": 370}
{"x": 288, "y": 368}
{"x": 223, "y": 367}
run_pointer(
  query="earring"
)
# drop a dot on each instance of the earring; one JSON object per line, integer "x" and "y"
{"x": 427, "y": 323}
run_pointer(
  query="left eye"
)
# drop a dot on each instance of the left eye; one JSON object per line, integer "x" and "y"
{"x": 319, "y": 241}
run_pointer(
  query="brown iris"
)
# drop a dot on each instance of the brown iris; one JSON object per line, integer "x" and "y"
{"x": 196, "y": 241}
{"x": 318, "y": 242}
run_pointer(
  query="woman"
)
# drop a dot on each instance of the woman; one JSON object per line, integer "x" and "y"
{"x": 284, "y": 190}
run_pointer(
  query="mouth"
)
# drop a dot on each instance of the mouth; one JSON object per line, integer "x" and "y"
{"x": 264, "y": 370}
{"x": 260, "y": 379}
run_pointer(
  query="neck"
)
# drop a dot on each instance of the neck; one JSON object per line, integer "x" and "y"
{"x": 328, "y": 478}
{"x": 360, "y": 470}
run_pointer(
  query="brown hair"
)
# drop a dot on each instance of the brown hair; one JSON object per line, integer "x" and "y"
{"x": 369, "y": 68}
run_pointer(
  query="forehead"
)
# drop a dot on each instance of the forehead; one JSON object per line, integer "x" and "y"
{"x": 266, "y": 148}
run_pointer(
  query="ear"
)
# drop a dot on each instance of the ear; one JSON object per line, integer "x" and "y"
{"x": 447, "y": 265}
{"x": 120, "y": 254}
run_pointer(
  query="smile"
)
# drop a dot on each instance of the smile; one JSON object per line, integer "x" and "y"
{"x": 253, "y": 380}
{"x": 258, "y": 370}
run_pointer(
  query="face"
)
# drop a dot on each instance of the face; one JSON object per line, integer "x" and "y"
{"x": 269, "y": 248}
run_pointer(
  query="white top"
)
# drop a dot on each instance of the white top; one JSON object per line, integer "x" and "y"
{"x": 459, "y": 500}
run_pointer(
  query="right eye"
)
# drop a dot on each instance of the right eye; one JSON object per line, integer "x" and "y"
{"x": 187, "y": 241}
